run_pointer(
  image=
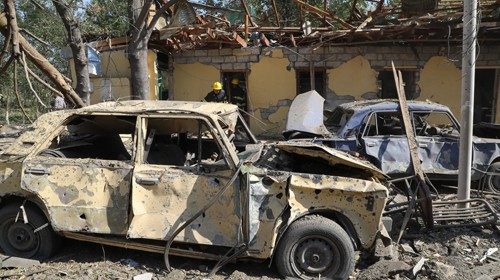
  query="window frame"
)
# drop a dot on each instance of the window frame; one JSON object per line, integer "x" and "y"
{"x": 298, "y": 71}
{"x": 450, "y": 116}
{"x": 142, "y": 136}
{"x": 56, "y": 132}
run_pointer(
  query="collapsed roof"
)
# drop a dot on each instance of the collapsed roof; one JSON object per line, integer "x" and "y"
{"x": 191, "y": 25}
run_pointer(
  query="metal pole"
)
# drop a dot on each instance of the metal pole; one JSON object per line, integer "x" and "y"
{"x": 467, "y": 106}
{"x": 312, "y": 73}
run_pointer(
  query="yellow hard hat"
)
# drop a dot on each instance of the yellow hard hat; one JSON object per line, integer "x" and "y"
{"x": 217, "y": 86}
{"x": 235, "y": 81}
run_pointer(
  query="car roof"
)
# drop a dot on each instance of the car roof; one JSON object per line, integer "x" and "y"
{"x": 137, "y": 106}
{"x": 392, "y": 104}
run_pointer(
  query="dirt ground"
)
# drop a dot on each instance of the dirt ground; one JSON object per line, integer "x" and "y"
{"x": 453, "y": 253}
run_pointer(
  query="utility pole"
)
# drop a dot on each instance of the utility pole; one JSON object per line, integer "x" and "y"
{"x": 467, "y": 101}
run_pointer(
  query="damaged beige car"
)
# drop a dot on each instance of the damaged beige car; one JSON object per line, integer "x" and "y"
{"x": 188, "y": 179}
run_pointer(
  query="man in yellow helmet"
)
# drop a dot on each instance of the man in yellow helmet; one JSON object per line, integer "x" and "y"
{"x": 238, "y": 95}
{"x": 217, "y": 94}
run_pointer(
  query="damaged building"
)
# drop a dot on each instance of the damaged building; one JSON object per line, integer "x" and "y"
{"x": 275, "y": 63}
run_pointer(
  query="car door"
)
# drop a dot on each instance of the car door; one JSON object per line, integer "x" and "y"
{"x": 180, "y": 166}
{"x": 437, "y": 137}
{"x": 82, "y": 173}
{"x": 384, "y": 140}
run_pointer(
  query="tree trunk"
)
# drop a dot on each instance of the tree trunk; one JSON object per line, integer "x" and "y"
{"x": 44, "y": 65}
{"x": 138, "y": 52}
{"x": 78, "y": 49}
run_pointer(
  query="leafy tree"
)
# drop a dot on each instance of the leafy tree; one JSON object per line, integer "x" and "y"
{"x": 106, "y": 17}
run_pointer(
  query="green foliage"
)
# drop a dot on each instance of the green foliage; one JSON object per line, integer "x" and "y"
{"x": 289, "y": 12}
{"x": 106, "y": 17}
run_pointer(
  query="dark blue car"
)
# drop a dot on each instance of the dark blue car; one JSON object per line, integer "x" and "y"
{"x": 374, "y": 129}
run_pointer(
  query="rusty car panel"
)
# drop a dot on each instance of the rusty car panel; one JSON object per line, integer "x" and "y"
{"x": 360, "y": 201}
{"x": 81, "y": 195}
{"x": 160, "y": 208}
{"x": 143, "y": 172}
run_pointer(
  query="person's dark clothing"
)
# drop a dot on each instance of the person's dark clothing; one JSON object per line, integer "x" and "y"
{"x": 216, "y": 97}
{"x": 238, "y": 97}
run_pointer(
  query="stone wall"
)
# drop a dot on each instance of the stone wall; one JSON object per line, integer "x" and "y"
{"x": 351, "y": 74}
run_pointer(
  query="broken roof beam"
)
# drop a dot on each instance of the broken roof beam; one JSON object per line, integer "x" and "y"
{"x": 276, "y": 14}
{"x": 247, "y": 11}
{"x": 319, "y": 12}
{"x": 212, "y": 8}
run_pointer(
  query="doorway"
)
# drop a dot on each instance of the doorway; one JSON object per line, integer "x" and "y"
{"x": 235, "y": 84}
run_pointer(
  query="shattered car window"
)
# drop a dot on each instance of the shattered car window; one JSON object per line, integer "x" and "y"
{"x": 95, "y": 137}
{"x": 180, "y": 142}
{"x": 434, "y": 124}
{"x": 338, "y": 119}
{"x": 384, "y": 124}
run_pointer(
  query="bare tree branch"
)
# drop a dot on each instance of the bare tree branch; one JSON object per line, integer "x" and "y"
{"x": 25, "y": 65}
{"x": 34, "y": 37}
{"x": 14, "y": 28}
{"x": 40, "y": 80}
{"x": 16, "y": 90}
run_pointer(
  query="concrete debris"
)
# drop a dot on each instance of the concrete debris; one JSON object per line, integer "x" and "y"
{"x": 144, "y": 276}
{"x": 407, "y": 248}
{"x": 444, "y": 271}
{"x": 418, "y": 266}
{"x": 15, "y": 262}
{"x": 383, "y": 269}
{"x": 488, "y": 253}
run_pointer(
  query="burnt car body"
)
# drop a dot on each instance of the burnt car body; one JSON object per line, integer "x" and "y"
{"x": 374, "y": 129}
{"x": 132, "y": 173}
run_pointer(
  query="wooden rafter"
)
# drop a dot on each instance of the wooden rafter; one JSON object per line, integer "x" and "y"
{"x": 320, "y": 13}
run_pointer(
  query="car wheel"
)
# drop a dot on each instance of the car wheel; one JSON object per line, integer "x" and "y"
{"x": 34, "y": 239}
{"x": 492, "y": 182}
{"x": 315, "y": 247}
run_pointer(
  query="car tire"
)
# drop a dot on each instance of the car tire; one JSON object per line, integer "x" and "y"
{"x": 314, "y": 247}
{"x": 20, "y": 240}
{"x": 492, "y": 182}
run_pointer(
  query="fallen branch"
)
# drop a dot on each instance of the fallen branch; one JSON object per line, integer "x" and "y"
{"x": 14, "y": 28}
{"x": 25, "y": 66}
{"x": 40, "y": 80}
{"x": 16, "y": 91}
{"x": 45, "y": 66}
{"x": 34, "y": 37}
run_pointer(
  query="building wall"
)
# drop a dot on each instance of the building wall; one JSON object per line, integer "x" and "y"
{"x": 115, "y": 71}
{"x": 351, "y": 75}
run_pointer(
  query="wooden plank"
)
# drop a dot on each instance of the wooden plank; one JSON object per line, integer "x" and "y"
{"x": 318, "y": 11}
{"x": 245, "y": 6}
{"x": 423, "y": 188}
{"x": 276, "y": 14}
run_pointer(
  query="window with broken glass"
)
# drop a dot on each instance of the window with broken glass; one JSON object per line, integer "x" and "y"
{"x": 384, "y": 124}
{"x": 434, "y": 124}
{"x": 94, "y": 137}
{"x": 181, "y": 142}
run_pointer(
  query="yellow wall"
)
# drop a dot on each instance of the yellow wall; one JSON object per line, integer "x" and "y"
{"x": 115, "y": 64}
{"x": 114, "y": 88}
{"x": 355, "y": 78}
{"x": 440, "y": 81}
{"x": 269, "y": 82}
{"x": 192, "y": 82}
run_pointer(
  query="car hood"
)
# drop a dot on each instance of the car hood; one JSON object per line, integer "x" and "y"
{"x": 306, "y": 114}
{"x": 332, "y": 156}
